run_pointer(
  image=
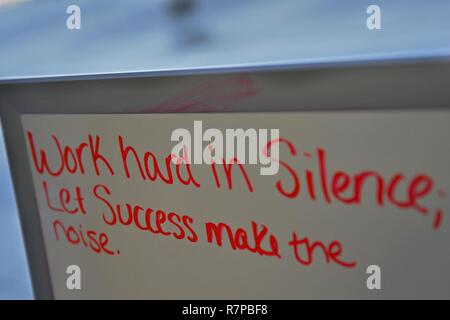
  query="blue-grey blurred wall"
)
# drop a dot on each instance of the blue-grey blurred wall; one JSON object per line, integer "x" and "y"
{"x": 14, "y": 277}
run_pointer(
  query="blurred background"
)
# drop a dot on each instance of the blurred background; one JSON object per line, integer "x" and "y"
{"x": 138, "y": 35}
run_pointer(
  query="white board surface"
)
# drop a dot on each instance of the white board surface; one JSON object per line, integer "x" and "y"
{"x": 398, "y": 221}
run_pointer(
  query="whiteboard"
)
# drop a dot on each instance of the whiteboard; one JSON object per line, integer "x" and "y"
{"x": 396, "y": 219}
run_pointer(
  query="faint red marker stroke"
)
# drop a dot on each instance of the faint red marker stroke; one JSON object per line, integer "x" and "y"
{"x": 213, "y": 95}
{"x": 437, "y": 219}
